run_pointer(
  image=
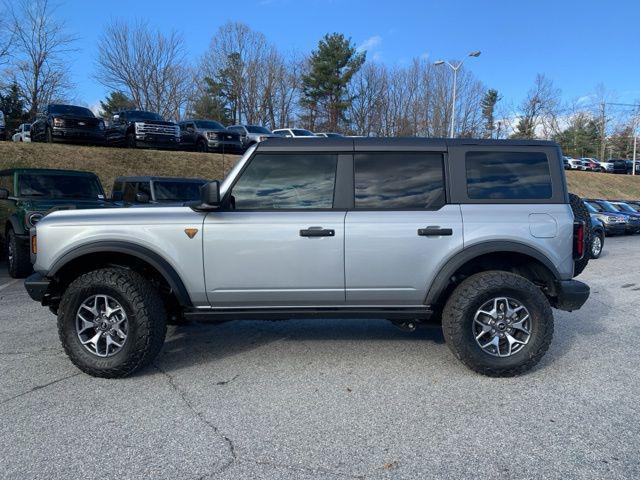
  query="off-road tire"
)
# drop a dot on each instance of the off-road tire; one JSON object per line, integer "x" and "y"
{"x": 145, "y": 312}
{"x": 201, "y": 146}
{"x": 469, "y": 296}
{"x": 600, "y": 236}
{"x": 581, "y": 214}
{"x": 48, "y": 135}
{"x": 130, "y": 141}
{"x": 19, "y": 266}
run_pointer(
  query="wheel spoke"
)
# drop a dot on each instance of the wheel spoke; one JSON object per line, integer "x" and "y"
{"x": 492, "y": 328}
{"x": 102, "y": 325}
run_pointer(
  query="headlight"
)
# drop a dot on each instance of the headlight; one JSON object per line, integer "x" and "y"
{"x": 101, "y": 125}
{"x": 58, "y": 122}
{"x": 262, "y": 139}
{"x": 33, "y": 218}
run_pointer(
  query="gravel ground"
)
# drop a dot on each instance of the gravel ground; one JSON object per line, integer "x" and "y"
{"x": 329, "y": 399}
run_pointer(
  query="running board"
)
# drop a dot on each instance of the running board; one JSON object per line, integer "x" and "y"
{"x": 311, "y": 313}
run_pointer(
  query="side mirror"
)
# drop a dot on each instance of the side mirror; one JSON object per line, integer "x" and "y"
{"x": 142, "y": 198}
{"x": 4, "y": 193}
{"x": 210, "y": 194}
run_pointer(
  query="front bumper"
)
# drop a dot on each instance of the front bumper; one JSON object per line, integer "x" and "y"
{"x": 37, "y": 286}
{"x": 78, "y": 135}
{"x": 157, "y": 141}
{"x": 571, "y": 295}
{"x": 226, "y": 145}
{"x": 614, "y": 228}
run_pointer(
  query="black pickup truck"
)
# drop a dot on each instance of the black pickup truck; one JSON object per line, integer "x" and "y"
{"x": 67, "y": 123}
{"x": 137, "y": 128}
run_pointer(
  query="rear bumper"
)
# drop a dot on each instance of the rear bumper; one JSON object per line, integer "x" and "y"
{"x": 37, "y": 286}
{"x": 571, "y": 295}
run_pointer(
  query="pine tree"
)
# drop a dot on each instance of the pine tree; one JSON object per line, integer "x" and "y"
{"x": 325, "y": 86}
{"x": 488, "y": 105}
{"x": 12, "y": 105}
{"x": 116, "y": 101}
{"x": 211, "y": 104}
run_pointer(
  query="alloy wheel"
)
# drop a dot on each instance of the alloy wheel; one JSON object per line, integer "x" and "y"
{"x": 596, "y": 246}
{"x": 502, "y": 326}
{"x": 102, "y": 325}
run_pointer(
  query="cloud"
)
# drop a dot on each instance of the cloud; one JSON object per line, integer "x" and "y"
{"x": 370, "y": 43}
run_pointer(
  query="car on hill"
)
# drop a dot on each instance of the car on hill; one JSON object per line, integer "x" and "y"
{"x": 576, "y": 164}
{"x": 22, "y": 133}
{"x": 604, "y": 206}
{"x": 614, "y": 166}
{"x": 591, "y": 164}
{"x": 252, "y": 134}
{"x": 27, "y": 195}
{"x": 142, "y": 129}
{"x": 67, "y": 124}
{"x": 614, "y": 223}
{"x": 329, "y": 135}
{"x": 208, "y": 136}
{"x": 151, "y": 190}
{"x": 294, "y": 133}
{"x": 331, "y": 228}
{"x": 3, "y": 127}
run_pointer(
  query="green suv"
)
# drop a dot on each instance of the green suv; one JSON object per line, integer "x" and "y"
{"x": 28, "y": 194}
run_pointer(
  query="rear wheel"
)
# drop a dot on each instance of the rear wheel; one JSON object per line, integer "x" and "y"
{"x": 17, "y": 257}
{"x": 202, "y": 146}
{"x": 111, "y": 322}
{"x": 597, "y": 243}
{"x": 498, "y": 323}
{"x": 581, "y": 214}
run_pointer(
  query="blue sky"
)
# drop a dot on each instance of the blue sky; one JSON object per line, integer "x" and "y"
{"x": 578, "y": 44}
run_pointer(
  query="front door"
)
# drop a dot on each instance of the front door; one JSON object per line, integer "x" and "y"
{"x": 400, "y": 229}
{"x": 278, "y": 241}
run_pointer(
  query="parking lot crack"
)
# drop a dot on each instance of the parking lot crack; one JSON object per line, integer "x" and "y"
{"x": 202, "y": 418}
{"x": 39, "y": 387}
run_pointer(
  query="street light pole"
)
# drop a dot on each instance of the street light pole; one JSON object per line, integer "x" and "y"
{"x": 455, "y": 68}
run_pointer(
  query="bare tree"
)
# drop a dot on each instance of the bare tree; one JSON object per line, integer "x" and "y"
{"x": 41, "y": 47}
{"x": 538, "y": 113}
{"x": 148, "y": 66}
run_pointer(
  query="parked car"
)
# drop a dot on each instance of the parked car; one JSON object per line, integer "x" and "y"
{"x": 331, "y": 228}
{"x": 329, "y": 135}
{"x": 598, "y": 233}
{"x": 208, "y": 136}
{"x": 591, "y": 164}
{"x": 294, "y": 133}
{"x": 633, "y": 220}
{"x": 625, "y": 207}
{"x": 140, "y": 129}
{"x": 576, "y": 164}
{"x": 614, "y": 223}
{"x": 28, "y": 194}
{"x": 23, "y": 133}
{"x": 68, "y": 124}
{"x": 252, "y": 134}
{"x": 3, "y": 127}
{"x": 614, "y": 166}
{"x": 146, "y": 190}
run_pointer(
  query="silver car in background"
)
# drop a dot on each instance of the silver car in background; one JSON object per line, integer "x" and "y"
{"x": 252, "y": 134}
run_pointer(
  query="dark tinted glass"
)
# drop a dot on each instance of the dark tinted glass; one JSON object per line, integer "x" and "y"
{"x": 129, "y": 194}
{"x": 137, "y": 115}
{"x": 167, "y": 191}
{"x": 399, "y": 180}
{"x": 287, "y": 181}
{"x": 70, "y": 110}
{"x": 257, "y": 129}
{"x": 59, "y": 186}
{"x": 144, "y": 187}
{"x": 508, "y": 175}
{"x": 209, "y": 124}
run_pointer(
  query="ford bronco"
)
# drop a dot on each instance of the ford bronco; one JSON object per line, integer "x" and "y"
{"x": 480, "y": 235}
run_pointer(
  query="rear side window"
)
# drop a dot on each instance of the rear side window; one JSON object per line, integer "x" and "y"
{"x": 280, "y": 181}
{"x": 399, "y": 181}
{"x": 129, "y": 194}
{"x": 508, "y": 175}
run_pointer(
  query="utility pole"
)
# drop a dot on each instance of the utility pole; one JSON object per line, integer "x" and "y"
{"x": 603, "y": 135}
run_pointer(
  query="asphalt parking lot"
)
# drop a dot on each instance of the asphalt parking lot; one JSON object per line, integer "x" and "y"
{"x": 329, "y": 399}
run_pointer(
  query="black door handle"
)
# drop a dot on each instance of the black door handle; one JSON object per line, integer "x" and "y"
{"x": 434, "y": 232}
{"x": 317, "y": 232}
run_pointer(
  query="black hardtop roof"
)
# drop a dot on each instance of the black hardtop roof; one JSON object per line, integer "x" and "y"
{"x": 387, "y": 143}
{"x": 152, "y": 178}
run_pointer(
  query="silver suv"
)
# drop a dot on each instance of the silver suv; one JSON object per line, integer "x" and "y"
{"x": 252, "y": 134}
{"x": 479, "y": 235}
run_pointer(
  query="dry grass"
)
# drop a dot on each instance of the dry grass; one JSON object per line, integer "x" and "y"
{"x": 604, "y": 185}
{"x": 109, "y": 163}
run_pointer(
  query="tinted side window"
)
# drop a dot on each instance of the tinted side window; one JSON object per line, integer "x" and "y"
{"x": 144, "y": 187}
{"x": 399, "y": 180}
{"x": 129, "y": 194}
{"x": 276, "y": 181}
{"x": 6, "y": 182}
{"x": 508, "y": 175}
{"x": 117, "y": 187}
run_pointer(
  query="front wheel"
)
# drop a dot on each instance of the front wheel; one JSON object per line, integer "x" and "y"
{"x": 111, "y": 322}
{"x": 130, "y": 140}
{"x": 48, "y": 135}
{"x": 597, "y": 243}
{"x": 202, "y": 146}
{"x": 498, "y": 323}
{"x": 17, "y": 256}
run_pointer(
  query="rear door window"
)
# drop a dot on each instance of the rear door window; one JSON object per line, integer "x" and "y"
{"x": 129, "y": 194}
{"x": 508, "y": 175}
{"x": 399, "y": 181}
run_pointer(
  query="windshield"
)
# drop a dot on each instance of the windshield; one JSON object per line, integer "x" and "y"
{"x": 209, "y": 125}
{"x": 608, "y": 207}
{"x": 623, "y": 207}
{"x": 300, "y": 132}
{"x": 168, "y": 191}
{"x": 257, "y": 129}
{"x": 59, "y": 186}
{"x": 70, "y": 110}
{"x": 595, "y": 206}
{"x": 590, "y": 207}
{"x": 138, "y": 115}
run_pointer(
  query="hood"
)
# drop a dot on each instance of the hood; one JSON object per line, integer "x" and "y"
{"x": 54, "y": 204}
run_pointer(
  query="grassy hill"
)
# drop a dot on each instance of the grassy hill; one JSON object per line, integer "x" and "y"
{"x": 109, "y": 163}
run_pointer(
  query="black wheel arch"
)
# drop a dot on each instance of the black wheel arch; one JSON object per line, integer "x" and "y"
{"x": 16, "y": 225}
{"x": 493, "y": 255}
{"x": 118, "y": 253}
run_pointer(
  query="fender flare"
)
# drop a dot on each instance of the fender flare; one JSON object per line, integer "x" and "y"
{"x": 143, "y": 253}
{"x": 16, "y": 225}
{"x": 441, "y": 280}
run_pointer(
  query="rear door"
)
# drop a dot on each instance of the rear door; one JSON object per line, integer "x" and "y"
{"x": 400, "y": 228}
{"x": 280, "y": 239}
